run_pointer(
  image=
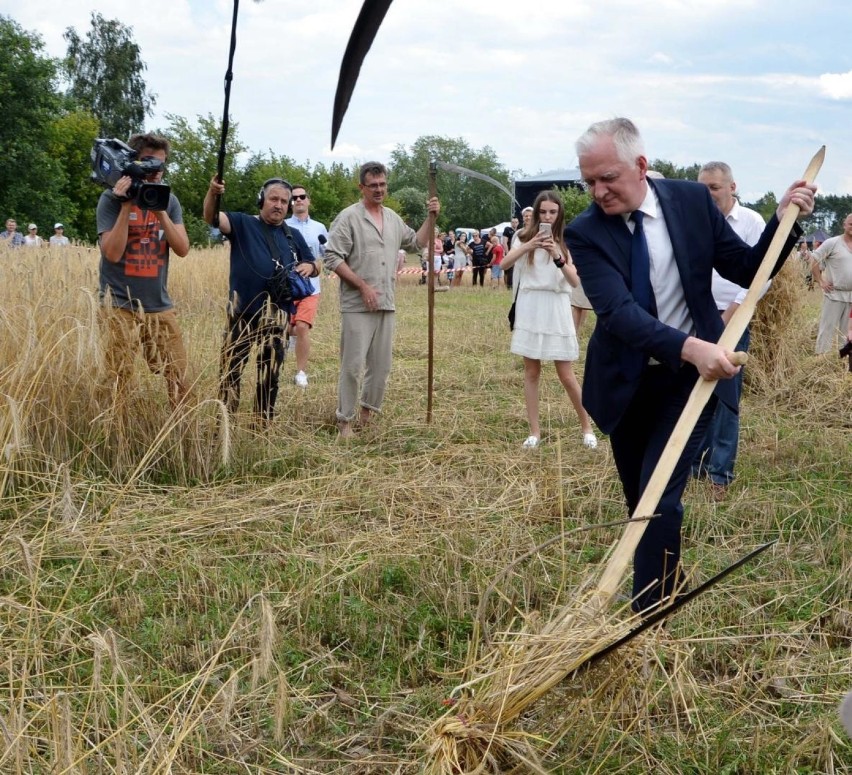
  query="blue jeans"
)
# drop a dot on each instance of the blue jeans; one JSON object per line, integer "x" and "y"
{"x": 718, "y": 453}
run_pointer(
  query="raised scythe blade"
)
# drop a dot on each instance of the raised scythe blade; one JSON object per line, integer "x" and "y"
{"x": 479, "y": 176}
{"x": 362, "y": 37}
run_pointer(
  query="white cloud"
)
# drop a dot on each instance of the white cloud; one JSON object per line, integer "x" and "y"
{"x": 526, "y": 81}
{"x": 658, "y": 57}
{"x": 838, "y": 86}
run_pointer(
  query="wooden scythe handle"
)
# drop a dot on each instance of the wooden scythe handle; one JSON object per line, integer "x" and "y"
{"x": 432, "y": 219}
{"x": 617, "y": 565}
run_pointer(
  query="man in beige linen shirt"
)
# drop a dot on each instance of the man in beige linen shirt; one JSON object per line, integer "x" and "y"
{"x": 362, "y": 248}
{"x": 831, "y": 265}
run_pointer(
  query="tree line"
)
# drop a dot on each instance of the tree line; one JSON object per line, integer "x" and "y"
{"x": 54, "y": 109}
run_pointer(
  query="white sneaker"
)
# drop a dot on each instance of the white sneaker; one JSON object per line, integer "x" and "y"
{"x": 531, "y": 442}
{"x": 301, "y": 379}
{"x": 590, "y": 440}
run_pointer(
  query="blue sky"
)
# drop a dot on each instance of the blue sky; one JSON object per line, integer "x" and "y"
{"x": 760, "y": 84}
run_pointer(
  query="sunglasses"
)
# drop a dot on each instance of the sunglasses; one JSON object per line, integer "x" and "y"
{"x": 299, "y": 196}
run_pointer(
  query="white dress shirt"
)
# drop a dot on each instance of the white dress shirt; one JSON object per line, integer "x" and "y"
{"x": 665, "y": 277}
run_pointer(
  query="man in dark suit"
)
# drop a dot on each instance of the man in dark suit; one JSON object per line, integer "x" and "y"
{"x": 653, "y": 340}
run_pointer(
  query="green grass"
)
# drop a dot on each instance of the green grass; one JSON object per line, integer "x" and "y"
{"x": 309, "y": 605}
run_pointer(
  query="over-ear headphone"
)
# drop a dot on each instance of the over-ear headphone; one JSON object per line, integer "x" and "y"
{"x": 261, "y": 195}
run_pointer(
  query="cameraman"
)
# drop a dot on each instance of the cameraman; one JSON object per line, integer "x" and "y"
{"x": 137, "y": 313}
{"x": 256, "y": 242}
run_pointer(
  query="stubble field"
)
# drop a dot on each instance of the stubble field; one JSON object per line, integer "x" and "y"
{"x": 185, "y": 595}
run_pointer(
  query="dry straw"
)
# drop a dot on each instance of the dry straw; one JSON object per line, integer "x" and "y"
{"x": 307, "y": 606}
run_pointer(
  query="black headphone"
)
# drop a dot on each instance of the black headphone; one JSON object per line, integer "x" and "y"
{"x": 261, "y": 195}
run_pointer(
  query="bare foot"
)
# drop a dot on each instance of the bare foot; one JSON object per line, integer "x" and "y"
{"x": 366, "y": 416}
{"x": 345, "y": 430}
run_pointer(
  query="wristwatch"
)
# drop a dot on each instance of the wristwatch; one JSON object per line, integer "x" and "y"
{"x": 560, "y": 262}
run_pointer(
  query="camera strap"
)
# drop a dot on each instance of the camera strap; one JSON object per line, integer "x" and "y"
{"x": 270, "y": 241}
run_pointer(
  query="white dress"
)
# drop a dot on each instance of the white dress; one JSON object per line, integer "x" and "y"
{"x": 544, "y": 327}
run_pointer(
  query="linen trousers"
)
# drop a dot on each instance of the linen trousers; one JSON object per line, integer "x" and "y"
{"x": 833, "y": 322}
{"x": 366, "y": 351}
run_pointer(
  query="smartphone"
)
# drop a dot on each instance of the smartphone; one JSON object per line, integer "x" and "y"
{"x": 545, "y": 228}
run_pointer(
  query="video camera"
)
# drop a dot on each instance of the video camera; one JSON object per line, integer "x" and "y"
{"x": 113, "y": 159}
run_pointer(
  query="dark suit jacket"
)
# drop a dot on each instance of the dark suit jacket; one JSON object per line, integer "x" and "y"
{"x": 625, "y": 335}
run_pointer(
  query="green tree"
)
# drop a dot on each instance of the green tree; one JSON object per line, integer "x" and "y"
{"x": 30, "y": 178}
{"x": 332, "y": 188}
{"x": 465, "y": 201}
{"x": 413, "y": 203}
{"x": 766, "y": 205}
{"x": 672, "y": 171}
{"x": 575, "y": 200}
{"x": 70, "y": 142}
{"x": 105, "y": 75}
{"x": 829, "y": 213}
{"x": 193, "y": 160}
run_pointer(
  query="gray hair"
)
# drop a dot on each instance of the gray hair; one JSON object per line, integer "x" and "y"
{"x": 624, "y": 134}
{"x": 718, "y": 166}
{"x": 374, "y": 168}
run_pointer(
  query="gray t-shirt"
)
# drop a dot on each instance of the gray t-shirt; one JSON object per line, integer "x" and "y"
{"x": 140, "y": 277}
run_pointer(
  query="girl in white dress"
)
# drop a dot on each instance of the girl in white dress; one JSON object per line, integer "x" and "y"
{"x": 544, "y": 327}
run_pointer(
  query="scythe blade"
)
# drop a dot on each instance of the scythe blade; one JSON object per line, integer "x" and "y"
{"x": 362, "y": 37}
{"x": 666, "y": 611}
{"x": 478, "y": 175}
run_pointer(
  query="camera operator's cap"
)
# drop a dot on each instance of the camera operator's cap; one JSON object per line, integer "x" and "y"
{"x": 32, "y": 227}
{"x": 58, "y": 226}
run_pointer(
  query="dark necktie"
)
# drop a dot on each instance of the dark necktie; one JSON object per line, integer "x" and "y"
{"x": 640, "y": 264}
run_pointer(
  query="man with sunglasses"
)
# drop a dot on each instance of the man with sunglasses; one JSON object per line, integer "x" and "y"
{"x": 258, "y": 243}
{"x": 362, "y": 251}
{"x": 302, "y": 320}
{"x": 137, "y": 313}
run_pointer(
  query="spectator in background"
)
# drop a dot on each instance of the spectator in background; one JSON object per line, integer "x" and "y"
{"x": 32, "y": 240}
{"x": 496, "y": 262}
{"x": 506, "y": 242}
{"x": 461, "y": 258}
{"x": 718, "y": 453}
{"x": 11, "y": 237}
{"x": 478, "y": 259}
{"x": 449, "y": 243}
{"x": 831, "y": 265}
{"x": 59, "y": 240}
{"x": 302, "y": 320}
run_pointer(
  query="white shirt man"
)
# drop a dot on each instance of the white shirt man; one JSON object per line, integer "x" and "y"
{"x": 302, "y": 320}
{"x": 718, "y": 455}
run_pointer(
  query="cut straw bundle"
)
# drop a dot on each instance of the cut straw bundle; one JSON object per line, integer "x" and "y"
{"x": 473, "y": 737}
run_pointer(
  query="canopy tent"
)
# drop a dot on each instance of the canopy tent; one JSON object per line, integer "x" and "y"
{"x": 526, "y": 190}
